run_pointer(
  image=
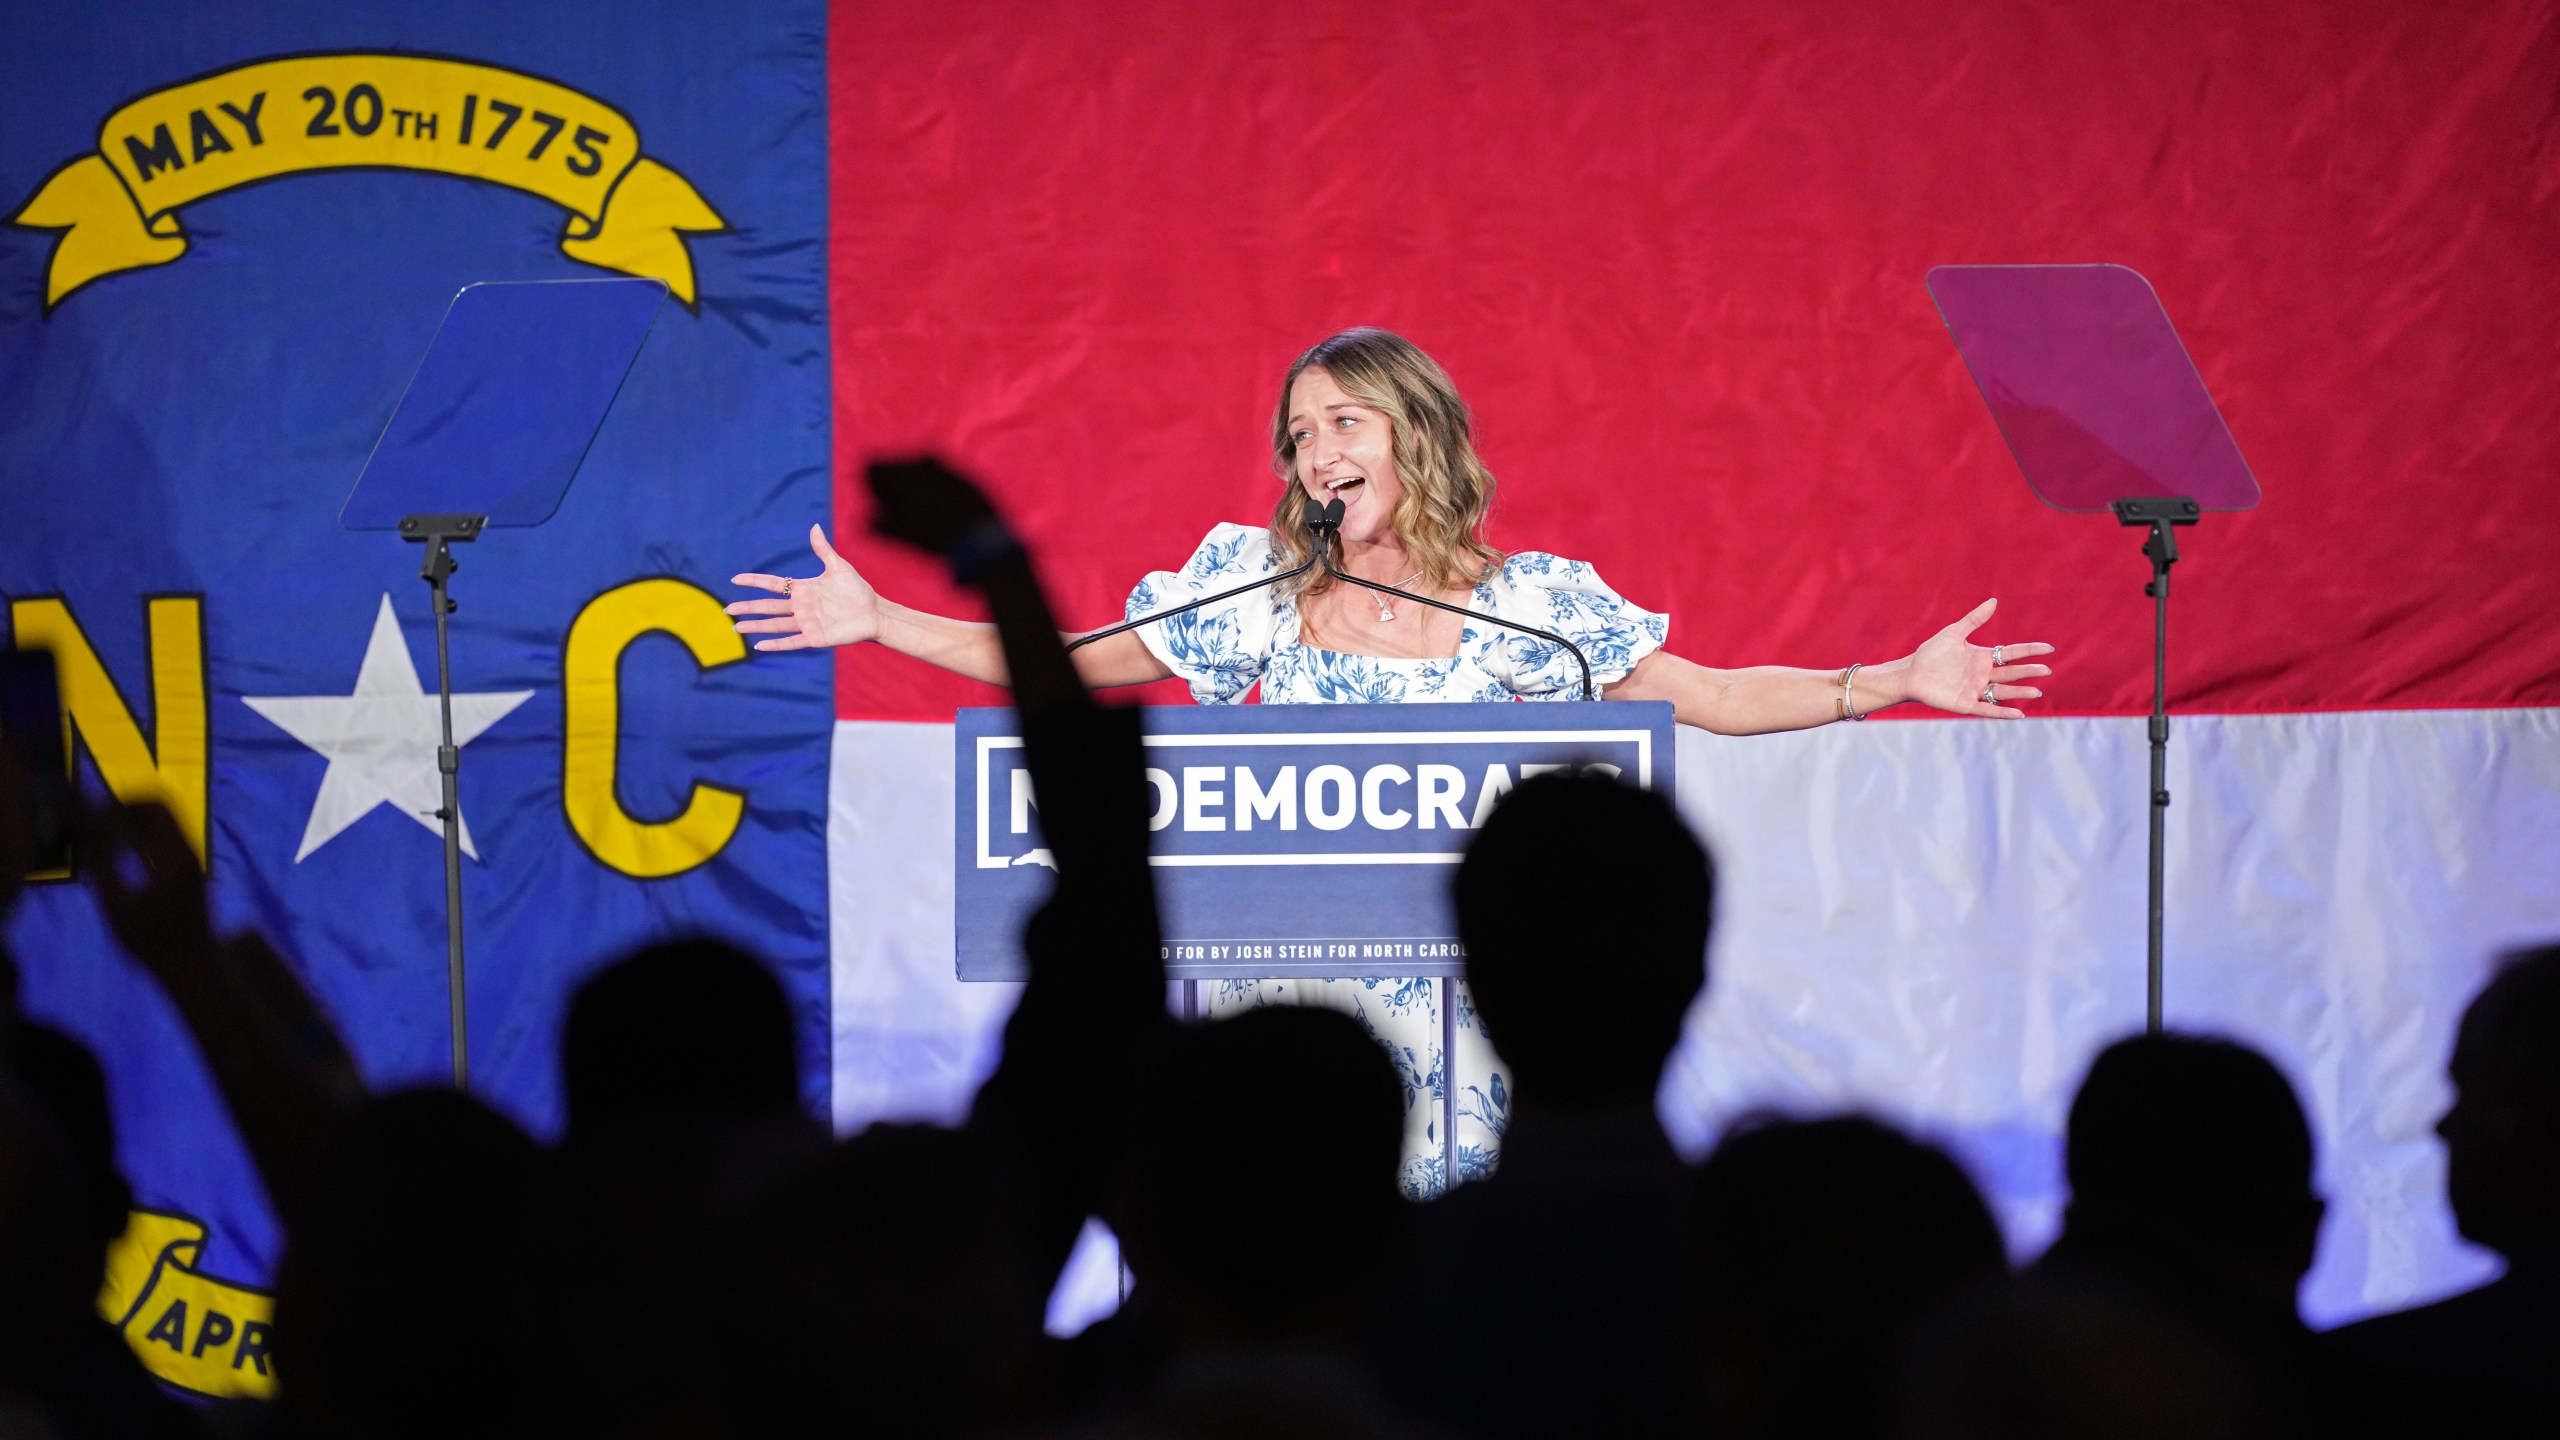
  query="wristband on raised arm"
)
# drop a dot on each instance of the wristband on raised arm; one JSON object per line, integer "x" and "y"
{"x": 986, "y": 545}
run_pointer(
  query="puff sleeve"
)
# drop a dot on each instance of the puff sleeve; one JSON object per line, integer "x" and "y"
{"x": 1218, "y": 650}
{"x": 1569, "y": 598}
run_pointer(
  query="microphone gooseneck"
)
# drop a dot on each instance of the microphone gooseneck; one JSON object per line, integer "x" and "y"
{"x": 1324, "y": 526}
{"x": 1321, "y": 521}
{"x": 1324, "y": 552}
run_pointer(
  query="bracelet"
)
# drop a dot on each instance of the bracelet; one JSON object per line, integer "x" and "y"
{"x": 986, "y": 545}
{"x": 1846, "y": 707}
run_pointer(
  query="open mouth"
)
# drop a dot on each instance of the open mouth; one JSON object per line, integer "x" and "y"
{"x": 1346, "y": 487}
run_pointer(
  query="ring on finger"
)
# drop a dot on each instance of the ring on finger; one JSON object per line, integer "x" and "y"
{"x": 1999, "y": 654}
{"x": 1986, "y": 693}
{"x": 786, "y": 585}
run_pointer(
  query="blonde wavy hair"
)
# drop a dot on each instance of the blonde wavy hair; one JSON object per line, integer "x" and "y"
{"x": 1447, "y": 490}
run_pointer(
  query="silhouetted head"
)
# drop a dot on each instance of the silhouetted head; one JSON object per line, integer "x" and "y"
{"x": 404, "y": 1260}
{"x": 880, "y": 1288}
{"x": 1283, "y": 1121}
{"x": 2502, "y": 1134}
{"x": 1822, "y": 1248}
{"x": 1584, "y": 904}
{"x": 2190, "y": 1160}
{"x": 60, "y": 1074}
{"x": 688, "y": 1028}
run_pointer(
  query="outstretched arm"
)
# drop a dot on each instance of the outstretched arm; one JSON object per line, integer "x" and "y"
{"x": 1948, "y": 672}
{"x": 837, "y": 606}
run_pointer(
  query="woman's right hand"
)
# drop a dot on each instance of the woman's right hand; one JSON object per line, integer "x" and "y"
{"x": 836, "y": 606}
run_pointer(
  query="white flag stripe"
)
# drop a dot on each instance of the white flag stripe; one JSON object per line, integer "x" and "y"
{"x": 1941, "y": 921}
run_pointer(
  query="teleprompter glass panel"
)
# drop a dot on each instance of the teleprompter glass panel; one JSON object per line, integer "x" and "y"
{"x": 2090, "y": 385}
{"x": 510, "y": 395}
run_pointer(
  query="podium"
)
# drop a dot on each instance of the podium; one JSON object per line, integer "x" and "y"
{"x": 1292, "y": 841}
{"x": 1296, "y": 841}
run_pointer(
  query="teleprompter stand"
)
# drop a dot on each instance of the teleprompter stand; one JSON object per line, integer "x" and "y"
{"x": 493, "y": 427}
{"x": 2161, "y": 515}
{"x": 2104, "y": 411}
{"x": 438, "y": 532}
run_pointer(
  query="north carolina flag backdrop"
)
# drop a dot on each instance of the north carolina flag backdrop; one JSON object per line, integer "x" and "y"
{"x": 234, "y": 234}
{"x": 1674, "y": 255}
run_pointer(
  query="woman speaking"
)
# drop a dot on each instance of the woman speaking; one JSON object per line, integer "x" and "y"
{"x": 1367, "y": 419}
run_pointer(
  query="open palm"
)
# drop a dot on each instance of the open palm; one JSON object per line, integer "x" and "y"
{"x": 1949, "y": 672}
{"x": 836, "y": 606}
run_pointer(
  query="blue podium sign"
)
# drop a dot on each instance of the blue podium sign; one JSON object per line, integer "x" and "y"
{"x": 1291, "y": 840}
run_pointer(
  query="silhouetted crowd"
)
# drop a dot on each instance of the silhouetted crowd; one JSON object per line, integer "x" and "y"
{"x": 697, "y": 1257}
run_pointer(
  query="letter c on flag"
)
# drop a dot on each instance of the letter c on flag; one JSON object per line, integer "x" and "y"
{"x": 591, "y": 684}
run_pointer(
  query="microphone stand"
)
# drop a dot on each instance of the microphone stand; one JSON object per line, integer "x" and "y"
{"x": 1324, "y": 525}
{"x": 1320, "y": 521}
{"x": 1325, "y": 533}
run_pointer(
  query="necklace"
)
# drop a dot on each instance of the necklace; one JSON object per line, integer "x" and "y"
{"x": 1386, "y": 608}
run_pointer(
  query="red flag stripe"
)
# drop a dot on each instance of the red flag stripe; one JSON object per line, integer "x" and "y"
{"x": 1674, "y": 259}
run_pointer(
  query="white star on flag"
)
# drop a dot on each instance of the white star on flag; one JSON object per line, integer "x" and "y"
{"x": 381, "y": 741}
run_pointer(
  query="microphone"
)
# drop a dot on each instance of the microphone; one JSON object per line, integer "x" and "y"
{"x": 1324, "y": 525}
{"x": 1321, "y": 522}
{"x": 1325, "y": 553}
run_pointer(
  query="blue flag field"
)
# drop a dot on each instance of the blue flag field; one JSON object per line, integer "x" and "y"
{"x": 229, "y": 242}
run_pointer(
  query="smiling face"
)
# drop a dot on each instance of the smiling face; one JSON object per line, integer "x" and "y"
{"x": 1346, "y": 452}
{"x": 1367, "y": 419}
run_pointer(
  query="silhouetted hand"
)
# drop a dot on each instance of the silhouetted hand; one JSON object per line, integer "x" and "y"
{"x": 926, "y": 503}
{"x": 1949, "y": 671}
{"x": 148, "y": 884}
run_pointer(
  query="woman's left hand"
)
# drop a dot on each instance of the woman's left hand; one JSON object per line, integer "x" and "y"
{"x": 1949, "y": 672}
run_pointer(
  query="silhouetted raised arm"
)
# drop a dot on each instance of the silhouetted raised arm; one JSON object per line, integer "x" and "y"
{"x": 1094, "y": 1003}
{"x": 284, "y": 1073}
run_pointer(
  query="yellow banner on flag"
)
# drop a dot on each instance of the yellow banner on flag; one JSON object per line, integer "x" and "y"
{"x": 117, "y": 207}
{"x": 197, "y": 1333}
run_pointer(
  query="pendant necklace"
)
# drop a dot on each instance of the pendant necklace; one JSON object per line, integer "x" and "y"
{"x": 1386, "y": 608}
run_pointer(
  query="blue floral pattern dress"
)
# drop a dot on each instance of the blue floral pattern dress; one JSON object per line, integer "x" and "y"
{"x": 1223, "y": 651}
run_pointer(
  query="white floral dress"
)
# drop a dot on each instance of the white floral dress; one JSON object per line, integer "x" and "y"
{"x": 1223, "y": 650}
